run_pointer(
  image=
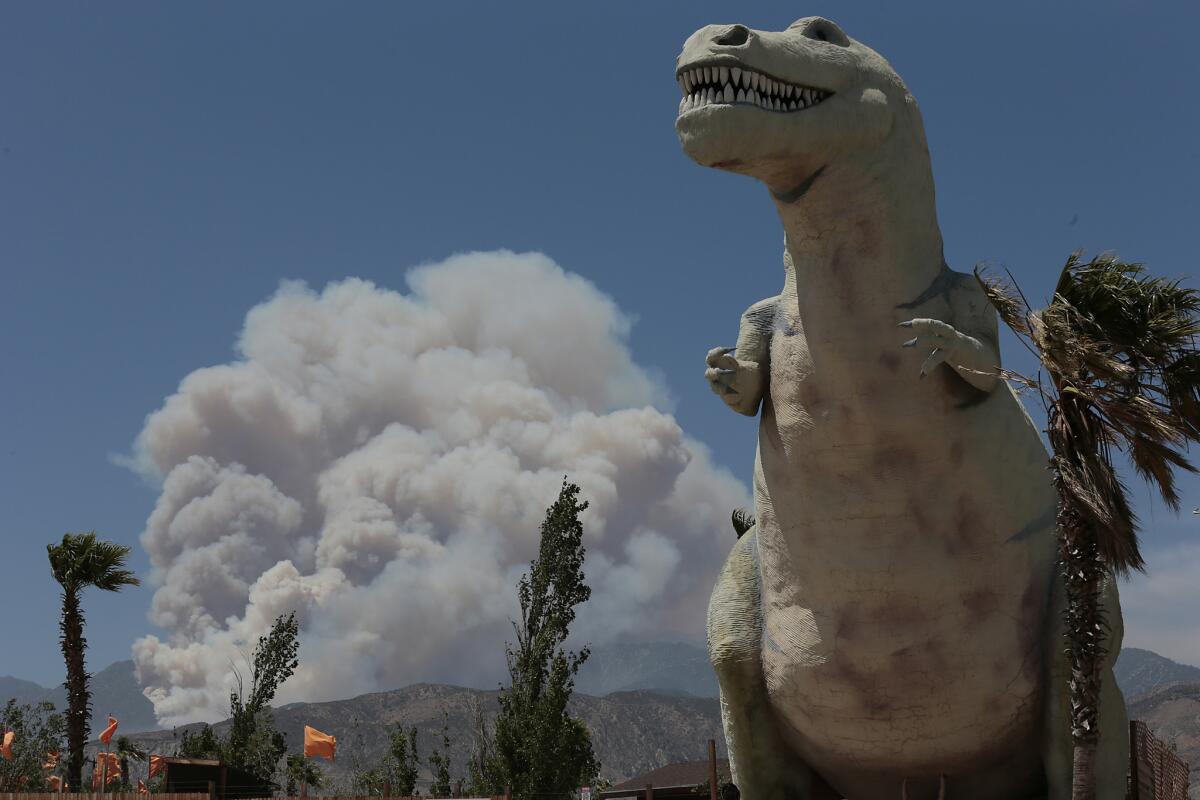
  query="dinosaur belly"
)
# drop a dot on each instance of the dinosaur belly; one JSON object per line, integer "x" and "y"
{"x": 906, "y": 560}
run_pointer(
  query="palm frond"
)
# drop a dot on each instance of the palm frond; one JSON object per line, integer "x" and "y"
{"x": 82, "y": 559}
{"x": 1119, "y": 348}
{"x": 1006, "y": 298}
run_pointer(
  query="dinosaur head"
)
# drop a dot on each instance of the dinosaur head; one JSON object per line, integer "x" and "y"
{"x": 780, "y": 105}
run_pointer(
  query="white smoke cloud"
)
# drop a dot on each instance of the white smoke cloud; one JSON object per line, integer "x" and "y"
{"x": 380, "y": 463}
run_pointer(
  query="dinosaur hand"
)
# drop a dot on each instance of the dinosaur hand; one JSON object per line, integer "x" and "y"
{"x": 940, "y": 340}
{"x": 738, "y": 383}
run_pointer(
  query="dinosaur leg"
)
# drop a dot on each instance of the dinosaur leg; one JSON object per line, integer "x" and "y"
{"x": 1112, "y": 751}
{"x": 763, "y": 766}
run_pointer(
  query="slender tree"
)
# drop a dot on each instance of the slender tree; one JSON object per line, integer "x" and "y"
{"x": 401, "y": 764}
{"x": 129, "y": 749}
{"x": 1118, "y": 350}
{"x": 252, "y": 743}
{"x": 79, "y": 561}
{"x": 439, "y": 763}
{"x": 484, "y": 776}
{"x": 539, "y": 749}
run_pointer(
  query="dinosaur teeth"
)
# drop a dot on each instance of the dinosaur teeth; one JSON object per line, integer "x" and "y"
{"x": 723, "y": 84}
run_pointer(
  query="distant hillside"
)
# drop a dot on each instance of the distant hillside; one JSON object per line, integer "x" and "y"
{"x": 647, "y": 705}
{"x": 633, "y": 732}
{"x": 1173, "y": 713}
{"x": 115, "y": 691}
{"x": 665, "y": 667}
{"x": 1140, "y": 672}
{"x": 22, "y": 691}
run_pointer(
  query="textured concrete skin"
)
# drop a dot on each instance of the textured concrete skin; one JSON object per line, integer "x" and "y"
{"x": 893, "y": 620}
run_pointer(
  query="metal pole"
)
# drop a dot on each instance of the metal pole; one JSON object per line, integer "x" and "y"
{"x": 712, "y": 769}
{"x": 649, "y": 791}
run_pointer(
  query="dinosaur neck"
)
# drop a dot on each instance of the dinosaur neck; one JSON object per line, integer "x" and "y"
{"x": 863, "y": 239}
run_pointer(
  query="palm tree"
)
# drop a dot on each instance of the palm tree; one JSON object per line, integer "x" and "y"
{"x": 1118, "y": 347}
{"x": 126, "y": 749}
{"x": 80, "y": 561}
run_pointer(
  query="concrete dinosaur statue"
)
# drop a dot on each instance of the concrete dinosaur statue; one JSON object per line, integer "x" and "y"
{"x": 892, "y": 622}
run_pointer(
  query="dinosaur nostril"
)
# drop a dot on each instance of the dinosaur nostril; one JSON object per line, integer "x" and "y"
{"x": 735, "y": 36}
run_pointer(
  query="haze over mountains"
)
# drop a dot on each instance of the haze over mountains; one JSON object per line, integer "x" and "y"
{"x": 647, "y": 705}
{"x": 115, "y": 691}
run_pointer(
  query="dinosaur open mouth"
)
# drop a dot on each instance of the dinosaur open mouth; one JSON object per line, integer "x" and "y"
{"x": 723, "y": 84}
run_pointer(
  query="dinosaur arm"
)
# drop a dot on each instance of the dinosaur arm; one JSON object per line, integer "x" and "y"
{"x": 739, "y": 374}
{"x": 977, "y": 357}
{"x": 974, "y": 359}
{"x": 969, "y": 347}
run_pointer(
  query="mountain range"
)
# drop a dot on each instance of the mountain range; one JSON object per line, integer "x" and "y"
{"x": 115, "y": 691}
{"x": 647, "y": 705}
{"x": 632, "y": 732}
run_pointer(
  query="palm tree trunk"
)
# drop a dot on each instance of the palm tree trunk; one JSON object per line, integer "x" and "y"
{"x": 1083, "y": 771}
{"x": 79, "y": 712}
{"x": 1083, "y": 571}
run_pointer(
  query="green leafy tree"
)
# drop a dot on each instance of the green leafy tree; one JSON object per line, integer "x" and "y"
{"x": 401, "y": 764}
{"x": 79, "y": 561}
{"x": 200, "y": 744}
{"x": 252, "y": 742}
{"x": 38, "y": 731}
{"x": 439, "y": 765}
{"x": 540, "y": 750}
{"x": 299, "y": 770}
{"x": 1118, "y": 349}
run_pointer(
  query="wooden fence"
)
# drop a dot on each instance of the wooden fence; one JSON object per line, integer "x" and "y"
{"x": 195, "y": 796}
{"x": 1155, "y": 771}
{"x": 95, "y": 796}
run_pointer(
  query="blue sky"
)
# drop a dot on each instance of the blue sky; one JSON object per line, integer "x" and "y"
{"x": 163, "y": 167}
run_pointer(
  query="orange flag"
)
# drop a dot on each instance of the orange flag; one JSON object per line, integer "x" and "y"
{"x": 6, "y": 745}
{"x": 54, "y": 782}
{"x": 108, "y": 732}
{"x": 156, "y": 765}
{"x": 142, "y": 787}
{"x": 319, "y": 744}
{"x": 51, "y": 760}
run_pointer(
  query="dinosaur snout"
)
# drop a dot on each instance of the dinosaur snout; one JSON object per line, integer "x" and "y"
{"x": 732, "y": 36}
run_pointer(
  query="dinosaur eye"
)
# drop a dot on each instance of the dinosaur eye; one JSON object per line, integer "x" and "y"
{"x": 822, "y": 30}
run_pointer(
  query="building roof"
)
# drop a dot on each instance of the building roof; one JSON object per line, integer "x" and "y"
{"x": 681, "y": 773}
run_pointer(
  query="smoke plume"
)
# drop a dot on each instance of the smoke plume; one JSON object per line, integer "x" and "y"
{"x": 380, "y": 463}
